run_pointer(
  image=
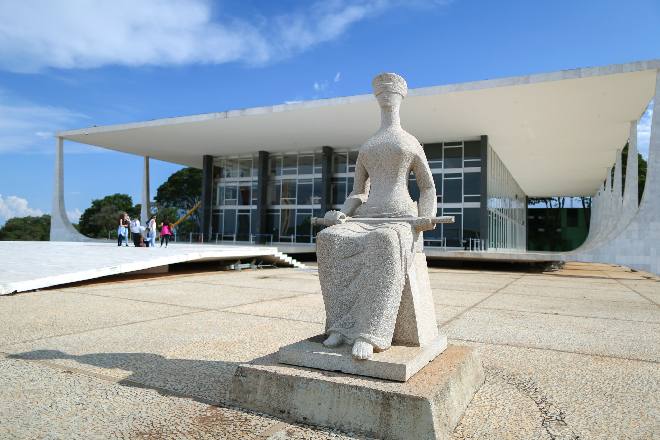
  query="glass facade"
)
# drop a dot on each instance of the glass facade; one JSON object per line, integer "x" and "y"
{"x": 507, "y": 207}
{"x": 295, "y": 191}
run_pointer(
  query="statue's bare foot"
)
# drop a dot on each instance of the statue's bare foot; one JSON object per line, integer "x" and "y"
{"x": 362, "y": 349}
{"x": 334, "y": 340}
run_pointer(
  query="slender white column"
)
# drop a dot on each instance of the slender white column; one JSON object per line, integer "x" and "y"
{"x": 61, "y": 228}
{"x": 144, "y": 210}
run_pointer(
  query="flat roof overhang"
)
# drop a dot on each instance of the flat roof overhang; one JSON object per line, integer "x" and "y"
{"x": 556, "y": 132}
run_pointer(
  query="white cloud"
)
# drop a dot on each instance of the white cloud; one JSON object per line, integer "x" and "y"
{"x": 337, "y": 77}
{"x": 644, "y": 131}
{"x": 13, "y": 206}
{"x": 29, "y": 127}
{"x": 35, "y": 34}
{"x": 74, "y": 215}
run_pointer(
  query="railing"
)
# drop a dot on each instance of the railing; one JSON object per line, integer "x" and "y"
{"x": 442, "y": 242}
{"x": 197, "y": 236}
{"x": 476, "y": 244}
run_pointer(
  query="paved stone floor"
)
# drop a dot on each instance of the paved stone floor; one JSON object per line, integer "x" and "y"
{"x": 568, "y": 354}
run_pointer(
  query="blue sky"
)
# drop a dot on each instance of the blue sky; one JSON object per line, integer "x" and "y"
{"x": 77, "y": 63}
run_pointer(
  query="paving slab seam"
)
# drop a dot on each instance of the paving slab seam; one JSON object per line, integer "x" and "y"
{"x": 105, "y": 327}
{"x": 563, "y": 297}
{"x": 251, "y": 287}
{"x": 467, "y": 309}
{"x": 559, "y": 314}
{"x": 639, "y": 293}
{"x": 556, "y": 350}
{"x": 271, "y": 317}
{"x": 201, "y": 309}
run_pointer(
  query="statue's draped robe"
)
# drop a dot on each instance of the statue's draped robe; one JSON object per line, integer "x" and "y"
{"x": 363, "y": 266}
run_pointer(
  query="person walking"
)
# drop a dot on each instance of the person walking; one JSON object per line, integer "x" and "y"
{"x": 165, "y": 233}
{"x": 136, "y": 231}
{"x": 122, "y": 229}
{"x": 151, "y": 232}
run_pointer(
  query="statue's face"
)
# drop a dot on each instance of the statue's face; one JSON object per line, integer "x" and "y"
{"x": 389, "y": 100}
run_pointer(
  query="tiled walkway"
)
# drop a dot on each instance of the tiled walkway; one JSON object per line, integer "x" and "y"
{"x": 568, "y": 354}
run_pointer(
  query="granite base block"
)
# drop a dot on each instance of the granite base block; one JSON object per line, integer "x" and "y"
{"x": 398, "y": 363}
{"x": 427, "y": 406}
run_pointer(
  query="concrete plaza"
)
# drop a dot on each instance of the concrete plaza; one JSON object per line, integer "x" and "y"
{"x": 568, "y": 354}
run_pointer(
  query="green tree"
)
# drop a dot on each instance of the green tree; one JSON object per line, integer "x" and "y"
{"x": 26, "y": 229}
{"x": 182, "y": 190}
{"x": 101, "y": 218}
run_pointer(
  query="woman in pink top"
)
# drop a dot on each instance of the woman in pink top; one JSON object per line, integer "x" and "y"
{"x": 165, "y": 233}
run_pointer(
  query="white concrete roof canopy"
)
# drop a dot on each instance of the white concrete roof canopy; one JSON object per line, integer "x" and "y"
{"x": 556, "y": 132}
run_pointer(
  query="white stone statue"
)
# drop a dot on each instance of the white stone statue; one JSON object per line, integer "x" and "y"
{"x": 365, "y": 266}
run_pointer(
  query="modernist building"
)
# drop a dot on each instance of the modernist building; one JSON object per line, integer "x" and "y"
{"x": 490, "y": 144}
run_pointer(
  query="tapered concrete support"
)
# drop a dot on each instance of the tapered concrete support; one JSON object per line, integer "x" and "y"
{"x": 638, "y": 244}
{"x": 630, "y": 194}
{"x": 144, "y": 210}
{"x": 61, "y": 228}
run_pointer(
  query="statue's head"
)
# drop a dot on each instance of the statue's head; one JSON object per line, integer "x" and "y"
{"x": 389, "y": 89}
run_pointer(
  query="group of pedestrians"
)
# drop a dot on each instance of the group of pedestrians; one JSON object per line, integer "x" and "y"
{"x": 143, "y": 236}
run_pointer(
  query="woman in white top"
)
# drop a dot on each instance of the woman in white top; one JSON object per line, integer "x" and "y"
{"x": 151, "y": 231}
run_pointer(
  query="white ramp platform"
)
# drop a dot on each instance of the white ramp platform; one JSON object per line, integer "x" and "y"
{"x": 29, "y": 265}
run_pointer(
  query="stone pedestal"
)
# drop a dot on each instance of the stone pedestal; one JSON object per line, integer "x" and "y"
{"x": 427, "y": 406}
{"x": 399, "y": 363}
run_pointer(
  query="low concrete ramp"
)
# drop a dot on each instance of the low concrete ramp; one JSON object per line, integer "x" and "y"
{"x": 30, "y": 265}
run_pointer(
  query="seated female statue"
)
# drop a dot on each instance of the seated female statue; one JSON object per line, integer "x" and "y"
{"x": 362, "y": 265}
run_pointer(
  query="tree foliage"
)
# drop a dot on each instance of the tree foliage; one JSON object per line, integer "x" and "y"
{"x": 101, "y": 218}
{"x": 26, "y": 229}
{"x": 182, "y": 190}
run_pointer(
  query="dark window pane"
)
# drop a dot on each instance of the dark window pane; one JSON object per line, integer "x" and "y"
{"x": 305, "y": 164}
{"x": 231, "y": 194}
{"x": 437, "y": 180}
{"x": 413, "y": 189}
{"x": 472, "y": 183}
{"x": 290, "y": 164}
{"x": 452, "y": 232}
{"x": 231, "y": 168}
{"x": 243, "y": 226}
{"x": 304, "y": 196}
{"x": 273, "y": 228}
{"x": 318, "y": 191}
{"x": 275, "y": 166}
{"x": 472, "y": 198}
{"x": 288, "y": 192}
{"x": 274, "y": 191}
{"x": 472, "y": 150}
{"x": 338, "y": 191}
{"x": 255, "y": 189}
{"x": 433, "y": 152}
{"x": 244, "y": 167}
{"x": 229, "y": 223}
{"x": 471, "y": 217}
{"x": 453, "y": 157}
{"x": 253, "y": 223}
{"x": 303, "y": 227}
{"x": 318, "y": 163}
{"x": 288, "y": 226}
{"x": 571, "y": 217}
{"x": 244, "y": 194}
{"x": 339, "y": 163}
{"x": 453, "y": 191}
